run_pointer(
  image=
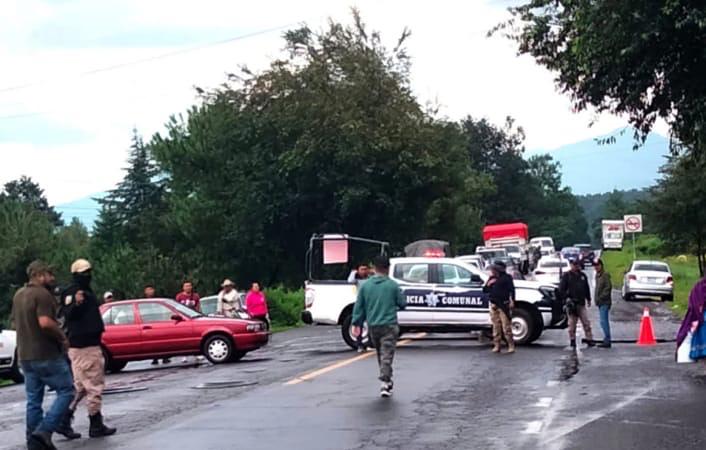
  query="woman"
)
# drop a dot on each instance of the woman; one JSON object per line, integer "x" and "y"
{"x": 695, "y": 313}
{"x": 257, "y": 304}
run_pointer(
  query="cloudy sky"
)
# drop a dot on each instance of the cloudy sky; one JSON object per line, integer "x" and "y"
{"x": 78, "y": 75}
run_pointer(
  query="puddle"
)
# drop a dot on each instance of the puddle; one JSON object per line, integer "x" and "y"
{"x": 569, "y": 366}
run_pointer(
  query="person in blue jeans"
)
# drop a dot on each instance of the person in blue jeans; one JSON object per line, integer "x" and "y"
{"x": 604, "y": 294}
{"x": 41, "y": 349}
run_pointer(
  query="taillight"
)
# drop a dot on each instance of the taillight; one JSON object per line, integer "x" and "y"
{"x": 670, "y": 280}
{"x": 632, "y": 277}
{"x": 309, "y": 297}
{"x": 434, "y": 253}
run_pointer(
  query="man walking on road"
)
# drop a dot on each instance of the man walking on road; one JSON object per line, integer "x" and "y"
{"x": 575, "y": 290}
{"x": 501, "y": 290}
{"x": 41, "y": 347}
{"x": 378, "y": 301}
{"x": 85, "y": 326}
{"x": 604, "y": 293}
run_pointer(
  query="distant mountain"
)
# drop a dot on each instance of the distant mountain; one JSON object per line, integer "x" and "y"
{"x": 85, "y": 209}
{"x": 590, "y": 168}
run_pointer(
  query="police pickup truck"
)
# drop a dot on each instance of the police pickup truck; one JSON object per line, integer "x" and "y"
{"x": 443, "y": 295}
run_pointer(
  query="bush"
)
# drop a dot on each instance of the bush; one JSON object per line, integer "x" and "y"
{"x": 285, "y": 306}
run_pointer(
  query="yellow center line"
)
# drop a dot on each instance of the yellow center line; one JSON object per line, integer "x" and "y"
{"x": 337, "y": 365}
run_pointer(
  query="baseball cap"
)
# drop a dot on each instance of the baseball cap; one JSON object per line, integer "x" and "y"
{"x": 107, "y": 295}
{"x": 499, "y": 266}
{"x": 80, "y": 265}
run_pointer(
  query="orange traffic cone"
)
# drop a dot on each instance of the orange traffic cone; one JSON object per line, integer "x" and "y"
{"x": 647, "y": 335}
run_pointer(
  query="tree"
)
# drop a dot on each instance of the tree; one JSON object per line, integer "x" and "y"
{"x": 677, "y": 205}
{"x": 28, "y": 192}
{"x": 642, "y": 59}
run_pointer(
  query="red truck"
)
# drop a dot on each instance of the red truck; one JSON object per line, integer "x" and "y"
{"x": 513, "y": 238}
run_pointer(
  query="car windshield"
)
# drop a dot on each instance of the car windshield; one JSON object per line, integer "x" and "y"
{"x": 651, "y": 268}
{"x": 583, "y": 247}
{"x": 492, "y": 254}
{"x": 513, "y": 248}
{"x": 554, "y": 264}
{"x": 188, "y": 312}
{"x": 547, "y": 243}
{"x": 570, "y": 250}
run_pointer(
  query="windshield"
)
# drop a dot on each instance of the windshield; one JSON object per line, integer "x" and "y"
{"x": 513, "y": 249}
{"x": 547, "y": 243}
{"x": 584, "y": 247}
{"x": 491, "y": 254}
{"x": 554, "y": 264}
{"x": 651, "y": 268}
{"x": 188, "y": 312}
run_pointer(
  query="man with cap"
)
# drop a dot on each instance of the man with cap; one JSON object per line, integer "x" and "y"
{"x": 604, "y": 293}
{"x": 107, "y": 297}
{"x": 577, "y": 294}
{"x": 85, "y": 327}
{"x": 41, "y": 347}
{"x": 501, "y": 292}
{"x": 228, "y": 299}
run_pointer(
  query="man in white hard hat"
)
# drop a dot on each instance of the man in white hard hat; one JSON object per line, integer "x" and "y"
{"x": 228, "y": 299}
{"x": 85, "y": 327}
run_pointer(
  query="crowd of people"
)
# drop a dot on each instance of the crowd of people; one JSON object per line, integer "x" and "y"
{"x": 59, "y": 344}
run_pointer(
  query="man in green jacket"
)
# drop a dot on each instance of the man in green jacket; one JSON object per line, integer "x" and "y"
{"x": 379, "y": 299}
{"x": 604, "y": 293}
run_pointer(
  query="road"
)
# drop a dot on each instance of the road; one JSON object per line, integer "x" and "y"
{"x": 308, "y": 391}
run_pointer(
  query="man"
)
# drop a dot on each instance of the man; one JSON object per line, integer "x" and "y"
{"x": 228, "y": 299}
{"x": 501, "y": 291}
{"x": 188, "y": 297}
{"x": 604, "y": 294}
{"x": 378, "y": 301}
{"x": 149, "y": 292}
{"x": 107, "y": 297}
{"x": 575, "y": 290}
{"x": 361, "y": 273}
{"x": 85, "y": 327}
{"x": 41, "y": 347}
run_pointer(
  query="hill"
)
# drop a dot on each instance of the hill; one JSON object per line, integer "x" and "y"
{"x": 591, "y": 168}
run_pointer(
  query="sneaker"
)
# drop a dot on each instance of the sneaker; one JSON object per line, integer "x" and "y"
{"x": 590, "y": 344}
{"x": 166, "y": 361}
{"x": 155, "y": 362}
{"x": 361, "y": 349}
{"x": 184, "y": 359}
{"x": 386, "y": 390}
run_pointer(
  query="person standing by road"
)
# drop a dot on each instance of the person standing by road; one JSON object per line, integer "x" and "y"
{"x": 358, "y": 276}
{"x": 257, "y": 304}
{"x": 378, "y": 301}
{"x": 228, "y": 299}
{"x": 604, "y": 294}
{"x": 85, "y": 327}
{"x": 107, "y": 297}
{"x": 575, "y": 290}
{"x": 501, "y": 290}
{"x": 41, "y": 347}
{"x": 188, "y": 297}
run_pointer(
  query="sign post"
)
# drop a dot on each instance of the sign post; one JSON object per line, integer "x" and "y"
{"x": 633, "y": 224}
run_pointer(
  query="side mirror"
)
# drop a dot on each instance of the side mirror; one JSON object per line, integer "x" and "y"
{"x": 177, "y": 318}
{"x": 475, "y": 278}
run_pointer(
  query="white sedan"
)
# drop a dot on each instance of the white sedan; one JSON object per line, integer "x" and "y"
{"x": 650, "y": 279}
{"x": 9, "y": 366}
{"x": 549, "y": 270}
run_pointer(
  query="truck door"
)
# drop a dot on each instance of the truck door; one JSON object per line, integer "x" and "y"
{"x": 459, "y": 297}
{"x": 414, "y": 279}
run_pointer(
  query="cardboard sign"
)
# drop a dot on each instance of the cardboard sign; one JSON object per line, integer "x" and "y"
{"x": 335, "y": 251}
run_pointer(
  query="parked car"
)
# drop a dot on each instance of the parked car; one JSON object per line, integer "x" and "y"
{"x": 9, "y": 365}
{"x": 650, "y": 279}
{"x": 588, "y": 256}
{"x": 210, "y": 303}
{"x": 476, "y": 261}
{"x": 571, "y": 253}
{"x": 491, "y": 254}
{"x": 549, "y": 270}
{"x": 162, "y": 328}
{"x": 546, "y": 245}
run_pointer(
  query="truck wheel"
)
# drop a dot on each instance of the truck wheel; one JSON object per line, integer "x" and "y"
{"x": 16, "y": 374}
{"x": 347, "y": 333}
{"x": 523, "y": 327}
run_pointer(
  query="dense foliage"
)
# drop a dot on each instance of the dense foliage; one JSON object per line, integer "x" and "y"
{"x": 328, "y": 139}
{"x": 643, "y": 59}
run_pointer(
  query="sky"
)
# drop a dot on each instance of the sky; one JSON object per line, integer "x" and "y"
{"x": 79, "y": 75}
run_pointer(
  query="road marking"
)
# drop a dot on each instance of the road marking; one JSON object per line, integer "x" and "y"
{"x": 544, "y": 402}
{"x": 337, "y": 365}
{"x": 552, "y": 383}
{"x": 533, "y": 427}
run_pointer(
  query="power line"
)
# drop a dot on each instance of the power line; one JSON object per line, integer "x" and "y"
{"x": 150, "y": 59}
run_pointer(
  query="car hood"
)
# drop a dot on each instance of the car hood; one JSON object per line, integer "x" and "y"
{"x": 220, "y": 320}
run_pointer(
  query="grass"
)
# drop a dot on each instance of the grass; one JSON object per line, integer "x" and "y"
{"x": 5, "y": 382}
{"x": 281, "y": 328}
{"x": 685, "y": 269}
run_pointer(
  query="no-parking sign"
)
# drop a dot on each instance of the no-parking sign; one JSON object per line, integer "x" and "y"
{"x": 633, "y": 223}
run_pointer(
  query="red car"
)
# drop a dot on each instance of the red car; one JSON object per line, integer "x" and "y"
{"x": 160, "y": 328}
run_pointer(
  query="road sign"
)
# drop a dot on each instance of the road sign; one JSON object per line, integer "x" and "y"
{"x": 633, "y": 223}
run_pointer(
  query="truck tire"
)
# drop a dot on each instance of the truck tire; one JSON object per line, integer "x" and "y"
{"x": 346, "y": 333}
{"x": 524, "y": 328}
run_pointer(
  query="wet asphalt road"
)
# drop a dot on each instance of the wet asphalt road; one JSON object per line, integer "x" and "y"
{"x": 450, "y": 392}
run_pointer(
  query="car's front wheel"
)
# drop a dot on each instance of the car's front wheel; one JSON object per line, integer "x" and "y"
{"x": 218, "y": 349}
{"x": 347, "y": 333}
{"x": 524, "y": 328}
{"x": 16, "y": 373}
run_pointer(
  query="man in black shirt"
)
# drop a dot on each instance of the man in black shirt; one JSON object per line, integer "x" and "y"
{"x": 575, "y": 290}
{"x": 501, "y": 290}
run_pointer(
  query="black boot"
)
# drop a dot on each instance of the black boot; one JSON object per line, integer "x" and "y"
{"x": 40, "y": 440}
{"x": 65, "y": 429}
{"x": 98, "y": 428}
{"x": 573, "y": 343}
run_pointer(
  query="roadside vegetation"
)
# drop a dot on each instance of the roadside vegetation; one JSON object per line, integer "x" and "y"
{"x": 685, "y": 268}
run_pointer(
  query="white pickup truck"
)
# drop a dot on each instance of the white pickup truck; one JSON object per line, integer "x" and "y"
{"x": 9, "y": 366}
{"x": 443, "y": 295}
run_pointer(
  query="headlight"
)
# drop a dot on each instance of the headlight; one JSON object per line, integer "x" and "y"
{"x": 252, "y": 327}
